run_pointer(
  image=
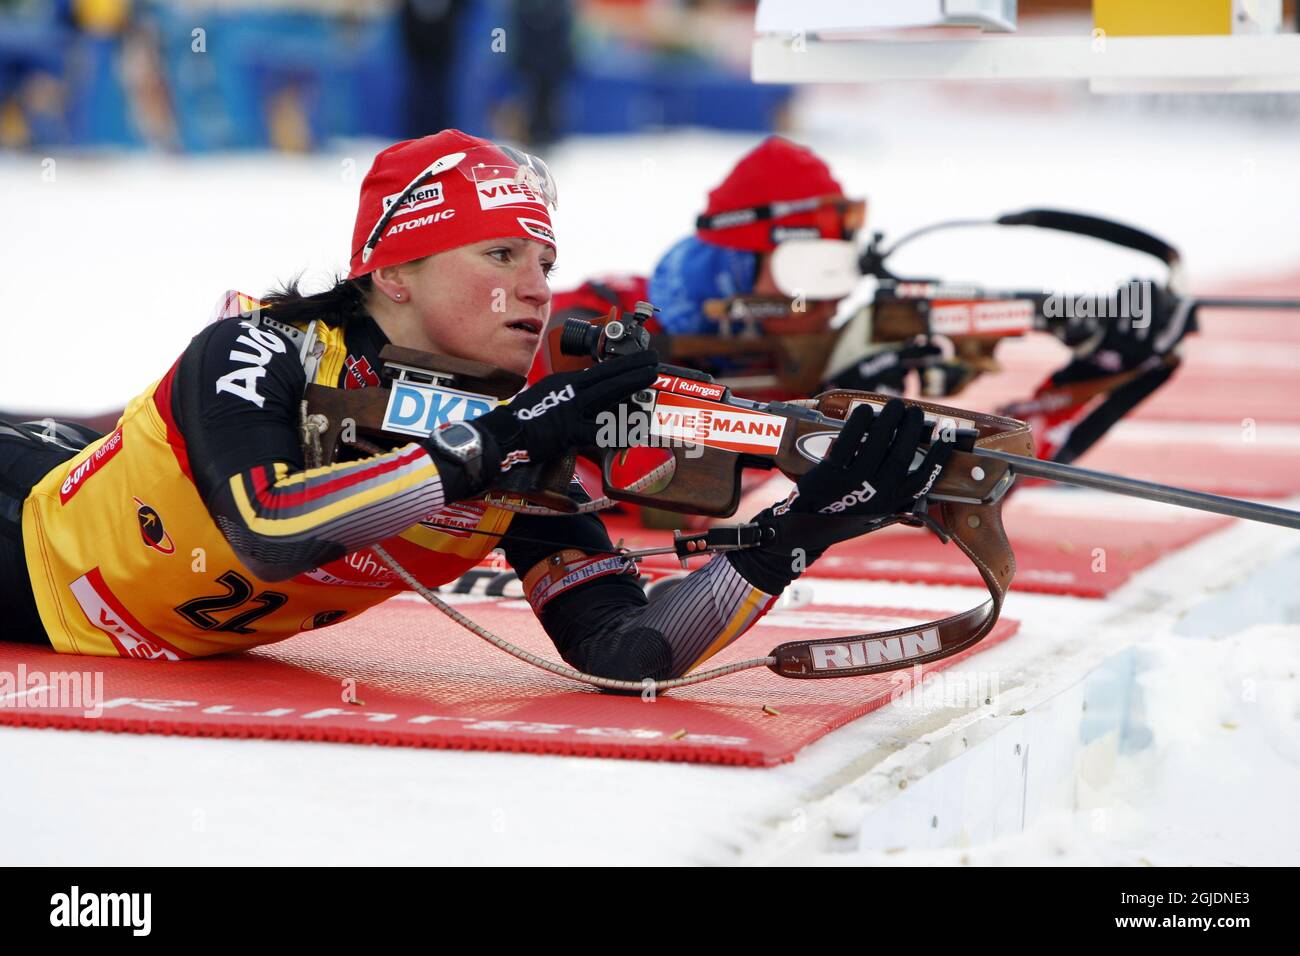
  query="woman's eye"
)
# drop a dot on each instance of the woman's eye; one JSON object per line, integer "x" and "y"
{"x": 501, "y": 255}
{"x": 548, "y": 269}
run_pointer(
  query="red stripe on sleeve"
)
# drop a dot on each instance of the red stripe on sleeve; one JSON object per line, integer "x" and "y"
{"x": 271, "y": 499}
{"x": 162, "y": 400}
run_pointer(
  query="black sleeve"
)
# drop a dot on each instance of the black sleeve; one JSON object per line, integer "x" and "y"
{"x": 583, "y": 611}
{"x": 605, "y": 625}
{"x": 236, "y": 399}
{"x": 237, "y": 414}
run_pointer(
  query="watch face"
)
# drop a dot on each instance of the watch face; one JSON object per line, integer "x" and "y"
{"x": 456, "y": 434}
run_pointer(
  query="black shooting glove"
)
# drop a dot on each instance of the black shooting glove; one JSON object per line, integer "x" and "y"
{"x": 885, "y": 370}
{"x": 1153, "y": 321}
{"x": 865, "y": 479}
{"x": 558, "y": 414}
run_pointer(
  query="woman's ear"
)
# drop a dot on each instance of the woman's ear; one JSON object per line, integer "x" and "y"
{"x": 390, "y": 282}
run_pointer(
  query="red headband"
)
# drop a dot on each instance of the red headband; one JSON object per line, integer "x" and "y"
{"x": 459, "y": 189}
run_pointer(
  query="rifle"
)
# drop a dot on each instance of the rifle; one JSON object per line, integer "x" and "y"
{"x": 697, "y": 438}
{"x": 763, "y": 347}
{"x": 974, "y": 319}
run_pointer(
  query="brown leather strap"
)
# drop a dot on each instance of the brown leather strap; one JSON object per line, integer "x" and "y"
{"x": 966, "y": 506}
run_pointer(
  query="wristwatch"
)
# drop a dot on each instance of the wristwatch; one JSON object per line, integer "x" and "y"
{"x": 463, "y": 444}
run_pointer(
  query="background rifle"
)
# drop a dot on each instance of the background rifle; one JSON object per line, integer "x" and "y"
{"x": 975, "y": 319}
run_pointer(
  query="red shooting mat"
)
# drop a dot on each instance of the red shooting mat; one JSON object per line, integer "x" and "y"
{"x": 422, "y": 681}
{"x": 1084, "y": 544}
{"x": 1204, "y": 389}
{"x": 1240, "y": 365}
{"x": 1240, "y": 463}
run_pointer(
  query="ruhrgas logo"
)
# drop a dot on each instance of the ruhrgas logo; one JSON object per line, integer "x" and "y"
{"x": 98, "y": 459}
{"x": 546, "y": 404}
{"x": 689, "y": 386}
{"x": 75, "y": 908}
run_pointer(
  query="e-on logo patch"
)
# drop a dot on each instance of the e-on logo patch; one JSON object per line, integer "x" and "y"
{"x": 418, "y": 409}
{"x": 100, "y": 457}
{"x": 152, "y": 532}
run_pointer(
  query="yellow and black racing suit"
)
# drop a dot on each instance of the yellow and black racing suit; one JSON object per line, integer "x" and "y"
{"x": 193, "y": 528}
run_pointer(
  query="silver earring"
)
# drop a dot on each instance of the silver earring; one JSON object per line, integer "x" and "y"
{"x": 397, "y": 296}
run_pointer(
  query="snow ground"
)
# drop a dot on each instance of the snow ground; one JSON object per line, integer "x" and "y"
{"x": 123, "y": 257}
{"x": 1206, "y": 776}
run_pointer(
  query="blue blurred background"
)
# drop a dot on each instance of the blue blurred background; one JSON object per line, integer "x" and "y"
{"x": 292, "y": 75}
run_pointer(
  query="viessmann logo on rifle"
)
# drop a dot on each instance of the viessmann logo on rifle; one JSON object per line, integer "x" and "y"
{"x": 716, "y": 426}
{"x": 977, "y": 317}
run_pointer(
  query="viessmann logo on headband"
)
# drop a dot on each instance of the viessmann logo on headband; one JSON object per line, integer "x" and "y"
{"x": 495, "y": 193}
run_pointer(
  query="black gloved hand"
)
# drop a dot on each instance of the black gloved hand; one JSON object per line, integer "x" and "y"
{"x": 866, "y": 476}
{"x": 867, "y": 472}
{"x": 885, "y": 370}
{"x": 1155, "y": 321}
{"x": 558, "y": 414}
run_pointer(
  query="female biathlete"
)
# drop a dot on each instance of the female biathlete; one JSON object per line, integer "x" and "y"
{"x": 194, "y": 528}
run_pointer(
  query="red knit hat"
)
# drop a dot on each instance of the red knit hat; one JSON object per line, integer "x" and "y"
{"x": 774, "y": 172}
{"x": 465, "y": 189}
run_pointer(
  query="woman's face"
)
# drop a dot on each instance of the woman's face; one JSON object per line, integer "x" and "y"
{"x": 814, "y": 315}
{"x": 487, "y": 302}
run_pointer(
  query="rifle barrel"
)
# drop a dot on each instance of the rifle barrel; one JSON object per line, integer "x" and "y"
{"x": 1149, "y": 490}
{"x": 1243, "y": 302}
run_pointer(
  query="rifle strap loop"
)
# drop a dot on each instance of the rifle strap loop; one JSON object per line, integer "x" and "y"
{"x": 920, "y": 517}
{"x": 964, "y": 511}
{"x": 718, "y": 538}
